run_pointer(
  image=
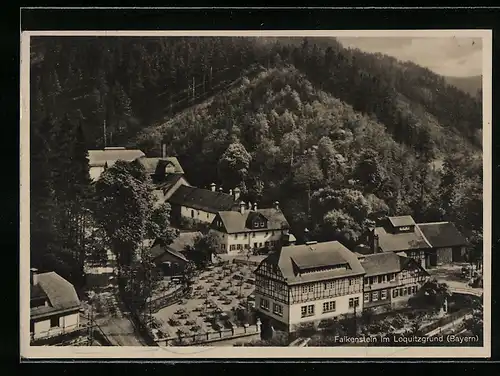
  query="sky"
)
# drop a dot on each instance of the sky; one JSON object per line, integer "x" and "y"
{"x": 448, "y": 56}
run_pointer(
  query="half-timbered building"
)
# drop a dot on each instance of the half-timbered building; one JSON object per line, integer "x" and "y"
{"x": 390, "y": 279}
{"x": 308, "y": 283}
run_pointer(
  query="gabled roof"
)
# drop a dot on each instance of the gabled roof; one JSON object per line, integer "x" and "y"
{"x": 389, "y": 242}
{"x": 236, "y": 222}
{"x": 183, "y": 240}
{"x": 159, "y": 250}
{"x": 312, "y": 256}
{"x": 169, "y": 181}
{"x": 157, "y": 165}
{"x": 108, "y": 156}
{"x": 382, "y": 263}
{"x": 401, "y": 221}
{"x": 442, "y": 234}
{"x": 202, "y": 199}
{"x": 61, "y": 294}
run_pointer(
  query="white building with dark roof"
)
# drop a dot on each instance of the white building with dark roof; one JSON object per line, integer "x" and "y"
{"x": 54, "y": 306}
{"x": 250, "y": 228}
{"x": 308, "y": 283}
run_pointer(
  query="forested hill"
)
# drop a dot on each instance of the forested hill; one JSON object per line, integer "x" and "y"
{"x": 130, "y": 83}
{"x": 472, "y": 85}
{"x": 336, "y": 135}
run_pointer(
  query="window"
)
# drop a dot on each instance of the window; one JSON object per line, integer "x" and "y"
{"x": 367, "y": 281}
{"x": 367, "y": 298}
{"x": 375, "y": 296}
{"x": 392, "y": 276}
{"x": 395, "y": 293}
{"x": 383, "y": 295}
{"x": 260, "y": 245}
{"x": 253, "y": 235}
{"x": 329, "y": 306}
{"x": 277, "y": 309}
{"x": 353, "y": 302}
{"x": 208, "y": 216}
{"x": 401, "y": 291}
{"x": 306, "y": 289}
{"x": 255, "y": 244}
{"x": 264, "y": 304}
{"x": 222, "y": 247}
{"x": 405, "y": 291}
{"x": 247, "y": 246}
{"x": 272, "y": 233}
{"x": 329, "y": 285}
{"x": 235, "y": 236}
{"x": 266, "y": 244}
{"x": 262, "y": 224}
{"x": 306, "y": 311}
{"x": 239, "y": 247}
{"x": 232, "y": 247}
{"x": 245, "y": 235}
{"x": 350, "y": 282}
{"x": 192, "y": 213}
{"x": 54, "y": 322}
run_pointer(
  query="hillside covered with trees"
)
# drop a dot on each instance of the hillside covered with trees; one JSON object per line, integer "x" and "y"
{"x": 336, "y": 135}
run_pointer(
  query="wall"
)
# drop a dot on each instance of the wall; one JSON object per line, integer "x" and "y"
{"x": 283, "y": 318}
{"x": 66, "y": 323}
{"x": 95, "y": 172}
{"x": 199, "y": 215}
{"x": 444, "y": 256}
{"x": 259, "y": 237}
{"x": 342, "y": 307}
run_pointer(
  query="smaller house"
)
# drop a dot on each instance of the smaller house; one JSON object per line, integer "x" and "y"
{"x": 166, "y": 188}
{"x": 251, "y": 228}
{"x": 160, "y": 168}
{"x": 390, "y": 279}
{"x": 200, "y": 205}
{"x": 172, "y": 258}
{"x": 430, "y": 244}
{"x": 100, "y": 160}
{"x": 54, "y": 306}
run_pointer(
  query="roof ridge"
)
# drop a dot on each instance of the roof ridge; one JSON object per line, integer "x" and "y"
{"x": 433, "y": 223}
{"x": 424, "y": 237}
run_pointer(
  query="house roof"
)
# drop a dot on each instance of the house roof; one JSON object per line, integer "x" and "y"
{"x": 169, "y": 181}
{"x": 157, "y": 165}
{"x": 442, "y": 234}
{"x": 60, "y": 293}
{"x": 403, "y": 220}
{"x": 292, "y": 258}
{"x": 108, "y": 156}
{"x": 159, "y": 250}
{"x": 383, "y": 263}
{"x": 389, "y": 242}
{"x": 202, "y": 199}
{"x": 235, "y": 221}
{"x": 184, "y": 239}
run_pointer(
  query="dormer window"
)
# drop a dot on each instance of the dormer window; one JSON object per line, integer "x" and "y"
{"x": 262, "y": 224}
{"x": 404, "y": 228}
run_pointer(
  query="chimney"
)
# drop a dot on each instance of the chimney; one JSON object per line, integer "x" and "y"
{"x": 212, "y": 187}
{"x": 220, "y": 189}
{"x": 277, "y": 205}
{"x": 375, "y": 244}
{"x": 164, "y": 150}
{"x": 230, "y": 192}
{"x": 255, "y": 207}
{"x": 33, "y": 276}
{"x": 237, "y": 192}
{"x": 311, "y": 242}
{"x": 242, "y": 207}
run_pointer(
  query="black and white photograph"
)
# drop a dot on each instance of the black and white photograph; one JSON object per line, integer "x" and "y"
{"x": 236, "y": 193}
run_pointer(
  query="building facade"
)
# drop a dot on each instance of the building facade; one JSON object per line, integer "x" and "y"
{"x": 54, "y": 306}
{"x": 200, "y": 205}
{"x": 249, "y": 229}
{"x": 390, "y": 279}
{"x": 307, "y": 284}
{"x": 430, "y": 244}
